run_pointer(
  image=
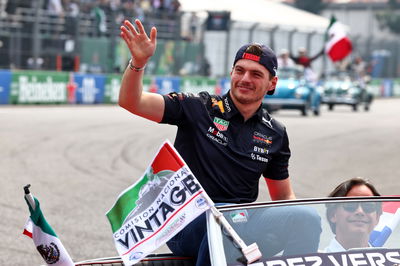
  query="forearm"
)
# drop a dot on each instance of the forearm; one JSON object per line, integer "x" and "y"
{"x": 280, "y": 189}
{"x": 131, "y": 90}
{"x": 132, "y": 97}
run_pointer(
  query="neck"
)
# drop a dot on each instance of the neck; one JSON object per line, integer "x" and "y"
{"x": 246, "y": 110}
{"x": 353, "y": 242}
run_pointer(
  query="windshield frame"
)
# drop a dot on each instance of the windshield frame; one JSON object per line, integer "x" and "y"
{"x": 216, "y": 238}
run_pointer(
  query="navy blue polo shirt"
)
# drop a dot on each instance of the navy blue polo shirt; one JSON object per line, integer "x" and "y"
{"x": 227, "y": 154}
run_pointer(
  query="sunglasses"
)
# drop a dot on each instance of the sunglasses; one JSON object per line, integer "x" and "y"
{"x": 368, "y": 207}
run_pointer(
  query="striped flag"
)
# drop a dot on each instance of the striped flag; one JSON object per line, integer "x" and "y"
{"x": 43, "y": 236}
{"x": 338, "y": 45}
{"x": 388, "y": 221}
{"x": 151, "y": 211}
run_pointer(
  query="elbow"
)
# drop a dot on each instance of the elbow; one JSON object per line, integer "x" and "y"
{"x": 122, "y": 104}
{"x": 126, "y": 105}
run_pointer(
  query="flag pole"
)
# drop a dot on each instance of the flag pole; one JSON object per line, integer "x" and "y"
{"x": 29, "y": 197}
{"x": 251, "y": 252}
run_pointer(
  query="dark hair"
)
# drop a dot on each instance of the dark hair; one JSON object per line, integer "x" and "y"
{"x": 343, "y": 189}
{"x": 254, "y": 49}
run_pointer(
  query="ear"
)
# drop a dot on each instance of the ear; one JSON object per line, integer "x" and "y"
{"x": 332, "y": 218}
{"x": 273, "y": 83}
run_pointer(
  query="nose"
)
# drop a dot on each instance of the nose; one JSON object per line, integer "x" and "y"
{"x": 359, "y": 210}
{"x": 246, "y": 76}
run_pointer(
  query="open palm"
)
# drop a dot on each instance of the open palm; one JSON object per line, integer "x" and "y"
{"x": 140, "y": 45}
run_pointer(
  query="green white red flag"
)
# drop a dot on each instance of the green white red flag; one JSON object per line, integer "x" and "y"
{"x": 338, "y": 45}
{"x": 45, "y": 239}
{"x": 155, "y": 208}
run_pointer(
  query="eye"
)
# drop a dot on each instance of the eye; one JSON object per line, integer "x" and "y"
{"x": 238, "y": 70}
{"x": 257, "y": 74}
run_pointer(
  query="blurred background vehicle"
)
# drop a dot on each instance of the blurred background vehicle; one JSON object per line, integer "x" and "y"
{"x": 340, "y": 88}
{"x": 294, "y": 92}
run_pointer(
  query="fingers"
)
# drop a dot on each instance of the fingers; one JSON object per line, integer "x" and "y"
{"x": 153, "y": 35}
{"x": 130, "y": 27}
{"x": 140, "y": 26}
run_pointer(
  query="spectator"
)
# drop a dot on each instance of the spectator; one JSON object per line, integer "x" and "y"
{"x": 352, "y": 222}
{"x": 71, "y": 16}
{"x": 303, "y": 59}
{"x": 55, "y": 8}
{"x": 100, "y": 17}
{"x": 284, "y": 59}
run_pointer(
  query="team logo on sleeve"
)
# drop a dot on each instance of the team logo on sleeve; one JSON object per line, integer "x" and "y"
{"x": 221, "y": 124}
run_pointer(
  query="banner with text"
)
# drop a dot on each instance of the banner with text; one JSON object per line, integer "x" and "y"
{"x": 5, "y": 83}
{"x": 38, "y": 87}
{"x": 151, "y": 211}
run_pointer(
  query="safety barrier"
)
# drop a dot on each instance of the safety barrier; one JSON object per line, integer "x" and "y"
{"x": 50, "y": 87}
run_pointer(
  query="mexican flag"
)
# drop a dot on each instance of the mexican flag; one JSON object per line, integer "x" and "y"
{"x": 155, "y": 208}
{"x": 338, "y": 45}
{"x": 43, "y": 236}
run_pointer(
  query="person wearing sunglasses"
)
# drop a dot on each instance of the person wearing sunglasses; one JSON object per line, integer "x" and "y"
{"x": 352, "y": 222}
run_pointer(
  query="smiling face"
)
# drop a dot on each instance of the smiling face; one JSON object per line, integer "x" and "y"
{"x": 250, "y": 81}
{"x": 354, "y": 221}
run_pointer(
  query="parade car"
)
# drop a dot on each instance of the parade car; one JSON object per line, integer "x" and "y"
{"x": 369, "y": 225}
{"x": 293, "y": 91}
{"x": 341, "y": 89}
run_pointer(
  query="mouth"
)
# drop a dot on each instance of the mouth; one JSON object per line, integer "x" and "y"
{"x": 359, "y": 222}
{"x": 244, "y": 87}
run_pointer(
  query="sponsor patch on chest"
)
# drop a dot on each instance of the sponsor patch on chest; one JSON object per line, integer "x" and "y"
{"x": 262, "y": 138}
{"x": 221, "y": 124}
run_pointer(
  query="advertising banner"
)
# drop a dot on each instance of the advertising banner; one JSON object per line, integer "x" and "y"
{"x": 198, "y": 84}
{"x": 396, "y": 87}
{"x": 5, "y": 83}
{"x": 90, "y": 88}
{"x": 224, "y": 85}
{"x": 112, "y": 86}
{"x": 165, "y": 85}
{"x": 38, "y": 87}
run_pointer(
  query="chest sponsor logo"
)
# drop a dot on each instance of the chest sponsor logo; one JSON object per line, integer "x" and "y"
{"x": 257, "y": 157}
{"x": 260, "y": 150}
{"x": 221, "y": 124}
{"x": 227, "y": 106}
{"x": 217, "y": 136}
{"x": 261, "y": 138}
{"x": 268, "y": 122}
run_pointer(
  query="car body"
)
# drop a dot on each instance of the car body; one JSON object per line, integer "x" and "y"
{"x": 340, "y": 88}
{"x": 293, "y": 92}
{"x": 384, "y": 239}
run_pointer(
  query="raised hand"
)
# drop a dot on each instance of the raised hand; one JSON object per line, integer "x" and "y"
{"x": 140, "y": 45}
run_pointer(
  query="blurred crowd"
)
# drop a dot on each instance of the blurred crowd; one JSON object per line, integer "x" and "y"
{"x": 101, "y": 10}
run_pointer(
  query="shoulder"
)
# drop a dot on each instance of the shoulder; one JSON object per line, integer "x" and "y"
{"x": 181, "y": 96}
{"x": 272, "y": 123}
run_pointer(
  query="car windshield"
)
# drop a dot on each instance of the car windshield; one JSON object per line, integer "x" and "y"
{"x": 352, "y": 231}
{"x": 339, "y": 76}
{"x": 289, "y": 73}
